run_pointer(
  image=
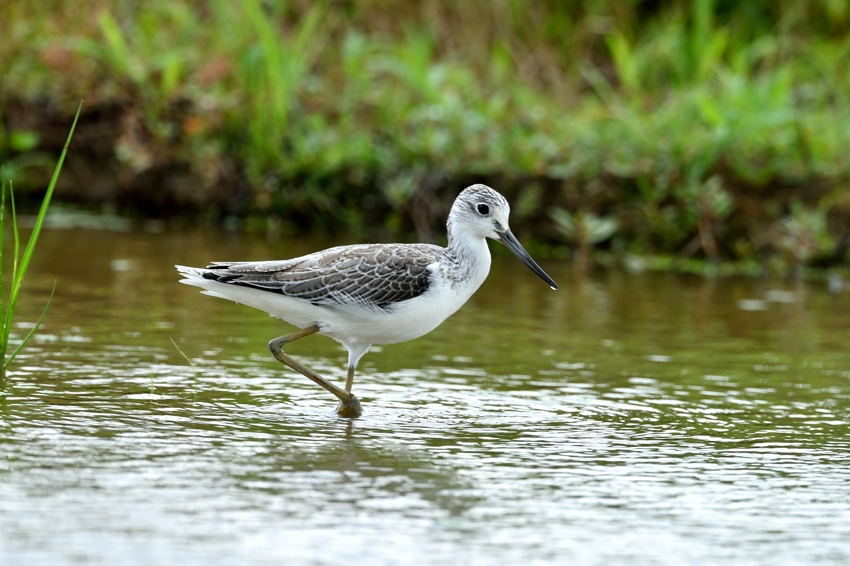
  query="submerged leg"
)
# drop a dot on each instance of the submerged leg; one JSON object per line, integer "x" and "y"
{"x": 350, "y": 380}
{"x": 355, "y": 352}
{"x": 349, "y": 405}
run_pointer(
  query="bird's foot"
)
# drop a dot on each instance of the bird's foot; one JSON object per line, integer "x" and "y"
{"x": 349, "y": 407}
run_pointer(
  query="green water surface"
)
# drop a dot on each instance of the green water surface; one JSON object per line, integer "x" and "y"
{"x": 624, "y": 419}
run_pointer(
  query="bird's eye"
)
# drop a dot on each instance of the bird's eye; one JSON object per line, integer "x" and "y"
{"x": 483, "y": 209}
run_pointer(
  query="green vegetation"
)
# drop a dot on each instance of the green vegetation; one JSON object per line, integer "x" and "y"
{"x": 191, "y": 365}
{"x": 20, "y": 263}
{"x": 677, "y": 129}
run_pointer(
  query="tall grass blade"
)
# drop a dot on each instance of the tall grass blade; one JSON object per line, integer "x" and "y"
{"x": 119, "y": 52}
{"x": 192, "y": 365}
{"x": 274, "y": 76}
{"x": 2, "y": 231}
{"x": 13, "y": 295}
{"x": 19, "y": 268}
{"x": 34, "y": 328}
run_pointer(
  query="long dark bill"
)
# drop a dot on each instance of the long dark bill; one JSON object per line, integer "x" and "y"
{"x": 513, "y": 244}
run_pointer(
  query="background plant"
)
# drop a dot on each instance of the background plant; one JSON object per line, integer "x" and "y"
{"x": 697, "y": 123}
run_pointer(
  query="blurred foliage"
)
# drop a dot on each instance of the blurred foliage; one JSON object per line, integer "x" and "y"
{"x": 714, "y": 128}
{"x": 583, "y": 230}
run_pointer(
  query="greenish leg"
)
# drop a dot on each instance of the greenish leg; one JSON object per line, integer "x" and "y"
{"x": 349, "y": 405}
{"x": 350, "y": 381}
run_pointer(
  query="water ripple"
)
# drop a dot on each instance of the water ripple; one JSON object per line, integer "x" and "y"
{"x": 634, "y": 421}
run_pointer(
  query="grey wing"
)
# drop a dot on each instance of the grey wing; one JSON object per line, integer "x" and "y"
{"x": 373, "y": 276}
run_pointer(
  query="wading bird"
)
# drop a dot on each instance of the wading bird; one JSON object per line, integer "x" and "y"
{"x": 368, "y": 294}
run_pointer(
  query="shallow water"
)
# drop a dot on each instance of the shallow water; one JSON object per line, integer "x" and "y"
{"x": 624, "y": 419}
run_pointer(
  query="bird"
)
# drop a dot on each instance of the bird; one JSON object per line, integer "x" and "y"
{"x": 365, "y": 294}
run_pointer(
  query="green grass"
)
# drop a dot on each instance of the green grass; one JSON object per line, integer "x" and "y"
{"x": 191, "y": 365}
{"x": 694, "y": 129}
{"x": 20, "y": 262}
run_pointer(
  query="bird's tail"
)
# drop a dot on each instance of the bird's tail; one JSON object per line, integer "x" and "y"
{"x": 190, "y": 273}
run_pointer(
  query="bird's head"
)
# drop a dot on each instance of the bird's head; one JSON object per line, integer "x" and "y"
{"x": 481, "y": 212}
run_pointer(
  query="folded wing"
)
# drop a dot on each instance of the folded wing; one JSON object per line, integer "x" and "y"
{"x": 373, "y": 276}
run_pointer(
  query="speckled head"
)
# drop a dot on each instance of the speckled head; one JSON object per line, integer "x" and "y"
{"x": 480, "y": 212}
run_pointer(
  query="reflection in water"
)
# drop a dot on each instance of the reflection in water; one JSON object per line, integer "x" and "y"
{"x": 636, "y": 419}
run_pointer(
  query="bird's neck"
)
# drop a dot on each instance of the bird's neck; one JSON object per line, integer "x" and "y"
{"x": 469, "y": 252}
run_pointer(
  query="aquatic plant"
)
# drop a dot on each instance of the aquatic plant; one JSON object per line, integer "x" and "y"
{"x": 802, "y": 235}
{"x": 20, "y": 262}
{"x": 191, "y": 365}
{"x": 583, "y": 229}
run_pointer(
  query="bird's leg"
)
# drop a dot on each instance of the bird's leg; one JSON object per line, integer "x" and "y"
{"x": 350, "y": 381}
{"x": 349, "y": 405}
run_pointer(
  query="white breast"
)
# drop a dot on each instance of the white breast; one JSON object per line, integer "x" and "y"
{"x": 451, "y": 286}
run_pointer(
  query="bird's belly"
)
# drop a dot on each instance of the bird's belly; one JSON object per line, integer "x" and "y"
{"x": 405, "y": 321}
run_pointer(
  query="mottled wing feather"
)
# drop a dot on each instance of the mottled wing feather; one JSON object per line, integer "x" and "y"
{"x": 369, "y": 275}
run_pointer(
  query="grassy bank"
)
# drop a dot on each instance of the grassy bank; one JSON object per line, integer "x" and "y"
{"x": 688, "y": 129}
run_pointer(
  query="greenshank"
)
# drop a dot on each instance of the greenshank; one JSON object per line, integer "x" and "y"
{"x": 368, "y": 294}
